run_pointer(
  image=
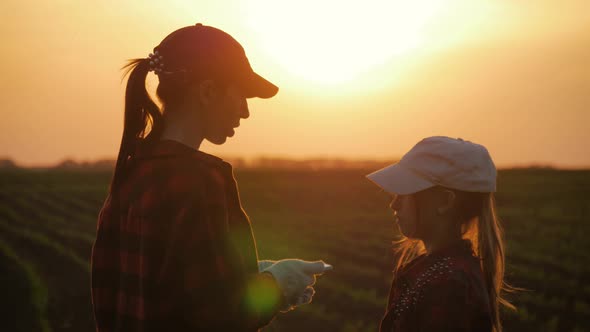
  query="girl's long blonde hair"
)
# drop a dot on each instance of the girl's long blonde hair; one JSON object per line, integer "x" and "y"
{"x": 480, "y": 225}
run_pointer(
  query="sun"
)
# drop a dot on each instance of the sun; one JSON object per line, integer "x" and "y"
{"x": 331, "y": 41}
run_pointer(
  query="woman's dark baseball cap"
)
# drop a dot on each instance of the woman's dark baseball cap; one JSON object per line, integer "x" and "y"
{"x": 206, "y": 52}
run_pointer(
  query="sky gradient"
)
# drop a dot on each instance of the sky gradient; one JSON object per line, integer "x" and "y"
{"x": 356, "y": 81}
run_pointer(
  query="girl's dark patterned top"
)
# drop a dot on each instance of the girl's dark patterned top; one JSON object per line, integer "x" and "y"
{"x": 441, "y": 291}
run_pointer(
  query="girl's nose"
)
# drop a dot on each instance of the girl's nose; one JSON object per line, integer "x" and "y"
{"x": 392, "y": 205}
{"x": 395, "y": 203}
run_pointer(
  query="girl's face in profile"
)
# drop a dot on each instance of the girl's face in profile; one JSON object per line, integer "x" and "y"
{"x": 433, "y": 204}
{"x": 404, "y": 211}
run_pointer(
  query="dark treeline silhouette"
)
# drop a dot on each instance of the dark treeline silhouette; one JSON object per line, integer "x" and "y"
{"x": 7, "y": 163}
{"x": 254, "y": 163}
{"x": 240, "y": 163}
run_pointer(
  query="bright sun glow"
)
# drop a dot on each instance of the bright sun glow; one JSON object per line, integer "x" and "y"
{"x": 332, "y": 41}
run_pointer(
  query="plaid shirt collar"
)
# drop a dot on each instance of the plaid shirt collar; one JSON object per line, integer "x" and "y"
{"x": 167, "y": 148}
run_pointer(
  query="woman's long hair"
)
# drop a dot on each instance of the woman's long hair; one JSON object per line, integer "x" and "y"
{"x": 141, "y": 114}
{"x": 480, "y": 225}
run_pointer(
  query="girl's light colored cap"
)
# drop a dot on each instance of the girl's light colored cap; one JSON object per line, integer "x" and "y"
{"x": 443, "y": 161}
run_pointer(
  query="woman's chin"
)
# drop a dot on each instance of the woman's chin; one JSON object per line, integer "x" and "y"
{"x": 217, "y": 140}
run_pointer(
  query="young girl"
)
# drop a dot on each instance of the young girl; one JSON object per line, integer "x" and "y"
{"x": 174, "y": 249}
{"x": 449, "y": 265}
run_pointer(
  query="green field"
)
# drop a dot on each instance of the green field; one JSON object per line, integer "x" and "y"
{"x": 48, "y": 220}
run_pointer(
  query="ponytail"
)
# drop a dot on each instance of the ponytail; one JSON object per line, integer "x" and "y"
{"x": 141, "y": 113}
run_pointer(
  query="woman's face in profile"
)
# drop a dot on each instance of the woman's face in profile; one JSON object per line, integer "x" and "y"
{"x": 224, "y": 115}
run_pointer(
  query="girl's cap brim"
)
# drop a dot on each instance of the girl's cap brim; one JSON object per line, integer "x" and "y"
{"x": 395, "y": 179}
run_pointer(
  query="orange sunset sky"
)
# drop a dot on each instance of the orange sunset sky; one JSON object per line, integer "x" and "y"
{"x": 358, "y": 79}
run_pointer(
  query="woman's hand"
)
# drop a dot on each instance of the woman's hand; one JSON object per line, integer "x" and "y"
{"x": 295, "y": 278}
{"x": 262, "y": 265}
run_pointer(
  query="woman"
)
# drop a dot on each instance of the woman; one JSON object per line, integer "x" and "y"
{"x": 174, "y": 249}
{"x": 449, "y": 268}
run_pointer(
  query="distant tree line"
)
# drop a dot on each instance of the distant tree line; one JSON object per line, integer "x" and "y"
{"x": 239, "y": 163}
{"x": 254, "y": 163}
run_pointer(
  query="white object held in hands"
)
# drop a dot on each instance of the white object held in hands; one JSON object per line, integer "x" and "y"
{"x": 295, "y": 278}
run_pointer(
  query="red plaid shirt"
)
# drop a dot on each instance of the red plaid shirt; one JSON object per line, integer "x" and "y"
{"x": 175, "y": 251}
{"x": 441, "y": 291}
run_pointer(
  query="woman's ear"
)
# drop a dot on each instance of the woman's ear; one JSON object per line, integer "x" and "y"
{"x": 447, "y": 203}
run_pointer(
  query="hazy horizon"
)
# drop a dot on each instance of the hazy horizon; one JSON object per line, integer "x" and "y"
{"x": 254, "y": 161}
{"x": 357, "y": 80}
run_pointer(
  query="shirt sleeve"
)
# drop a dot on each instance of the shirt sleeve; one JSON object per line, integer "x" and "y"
{"x": 451, "y": 306}
{"x": 219, "y": 294}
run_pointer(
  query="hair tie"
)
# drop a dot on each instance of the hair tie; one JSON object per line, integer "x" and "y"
{"x": 156, "y": 63}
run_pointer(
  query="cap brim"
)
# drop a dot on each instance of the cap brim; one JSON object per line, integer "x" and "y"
{"x": 395, "y": 179}
{"x": 257, "y": 86}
